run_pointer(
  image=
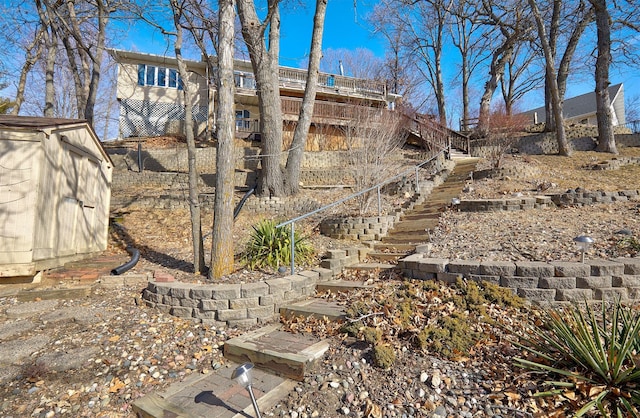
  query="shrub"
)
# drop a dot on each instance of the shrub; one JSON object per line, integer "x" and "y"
{"x": 270, "y": 245}
{"x": 594, "y": 357}
{"x": 383, "y": 356}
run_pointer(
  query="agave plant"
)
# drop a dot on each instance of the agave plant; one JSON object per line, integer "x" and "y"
{"x": 593, "y": 355}
{"x": 270, "y": 245}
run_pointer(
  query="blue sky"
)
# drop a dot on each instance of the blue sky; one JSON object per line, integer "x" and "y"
{"x": 346, "y": 28}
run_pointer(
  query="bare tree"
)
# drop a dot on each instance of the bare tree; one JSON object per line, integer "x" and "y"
{"x": 519, "y": 79}
{"x": 502, "y": 134}
{"x": 423, "y": 25}
{"x": 222, "y": 246}
{"x": 606, "y": 138}
{"x": 372, "y": 135}
{"x": 512, "y": 26}
{"x": 563, "y": 145}
{"x": 194, "y": 201}
{"x": 32, "y": 54}
{"x": 296, "y": 151}
{"x": 467, "y": 36}
{"x": 262, "y": 37}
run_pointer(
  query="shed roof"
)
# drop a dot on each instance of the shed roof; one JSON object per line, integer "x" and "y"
{"x": 41, "y": 123}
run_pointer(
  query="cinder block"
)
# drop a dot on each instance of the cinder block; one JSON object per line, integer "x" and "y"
{"x": 574, "y": 295}
{"x": 537, "y": 295}
{"x": 231, "y": 314}
{"x": 201, "y": 292}
{"x": 422, "y": 275}
{"x": 557, "y": 283}
{"x": 225, "y": 291}
{"x": 213, "y": 305}
{"x": 594, "y": 282}
{"x": 448, "y": 277}
{"x": 634, "y": 293}
{"x": 485, "y": 278}
{"x": 244, "y": 303}
{"x": 250, "y": 290}
{"x": 626, "y": 280}
{"x": 410, "y": 262}
{"x": 189, "y": 303}
{"x": 242, "y": 323}
{"x": 433, "y": 265}
{"x": 464, "y": 267}
{"x": 570, "y": 269}
{"x": 497, "y": 268}
{"x": 611, "y": 293}
{"x": 336, "y": 254}
{"x": 180, "y": 290}
{"x": 605, "y": 267}
{"x": 261, "y": 311}
{"x": 278, "y": 286}
{"x": 323, "y": 273}
{"x": 515, "y": 282}
{"x": 534, "y": 269}
{"x": 182, "y": 312}
{"x": 631, "y": 265}
{"x": 334, "y": 265}
{"x": 151, "y": 297}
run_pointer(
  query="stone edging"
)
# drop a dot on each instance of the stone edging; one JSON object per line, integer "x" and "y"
{"x": 538, "y": 281}
{"x": 234, "y": 305}
{"x": 573, "y": 197}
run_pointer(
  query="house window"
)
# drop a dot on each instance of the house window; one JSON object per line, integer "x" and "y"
{"x": 243, "y": 122}
{"x": 162, "y": 77}
{"x": 149, "y": 75}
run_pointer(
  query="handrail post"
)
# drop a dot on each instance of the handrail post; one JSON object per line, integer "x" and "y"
{"x": 417, "y": 181}
{"x": 293, "y": 249}
{"x": 379, "y": 202}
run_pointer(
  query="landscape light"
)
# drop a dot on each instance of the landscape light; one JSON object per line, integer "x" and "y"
{"x": 455, "y": 201}
{"x": 584, "y": 243}
{"x": 243, "y": 376}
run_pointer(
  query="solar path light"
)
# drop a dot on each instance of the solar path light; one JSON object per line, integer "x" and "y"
{"x": 243, "y": 376}
{"x": 584, "y": 243}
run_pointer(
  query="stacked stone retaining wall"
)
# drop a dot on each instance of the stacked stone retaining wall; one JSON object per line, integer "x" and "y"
{"x": 557, "y": 281}
{"x": 235, "y": 305}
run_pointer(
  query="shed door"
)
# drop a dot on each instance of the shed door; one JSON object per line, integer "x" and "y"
{"x": 77, "y": 208}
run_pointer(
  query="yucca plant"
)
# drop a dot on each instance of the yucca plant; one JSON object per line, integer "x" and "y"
{"x": 270, "y": 245}
{"x": 594, "y": 357}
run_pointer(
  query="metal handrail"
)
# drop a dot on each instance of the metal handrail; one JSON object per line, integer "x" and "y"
{"x": 354, "y": 195}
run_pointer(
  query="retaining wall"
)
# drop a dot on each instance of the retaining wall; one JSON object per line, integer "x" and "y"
{"x": 235, "y": 305}
{"x": 557, "y": 281}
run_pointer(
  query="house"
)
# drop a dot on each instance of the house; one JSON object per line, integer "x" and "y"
{"x": 55, "y": 185}
{"x": 151, "y": 104}
{"x": 582, "y": 109}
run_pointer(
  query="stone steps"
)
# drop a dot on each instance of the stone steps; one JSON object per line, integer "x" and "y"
{"x": 273, "y": 349}
{"x": 337, "y": 286}
{"x": 316, "y": 308}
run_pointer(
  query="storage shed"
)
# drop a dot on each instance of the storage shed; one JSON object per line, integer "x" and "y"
{"x": 55, "y": 190}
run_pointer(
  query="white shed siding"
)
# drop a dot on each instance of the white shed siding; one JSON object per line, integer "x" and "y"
{"x": 18, "y": 183}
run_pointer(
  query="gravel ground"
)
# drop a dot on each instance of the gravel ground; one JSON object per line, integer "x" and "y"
{"x": 136, "y": 350}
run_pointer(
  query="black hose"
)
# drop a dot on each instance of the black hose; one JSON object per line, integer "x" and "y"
{"x": 135, "y": 256}
{"x": 238, "y": 208}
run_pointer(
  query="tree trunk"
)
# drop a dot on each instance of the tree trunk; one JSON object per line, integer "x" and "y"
{"x": 51, "y": 44}
{"x": 496, "y": 70}
{"x": 33, "y": 52}
{"x": 556, "y": 103}
{"x": 194, "y": 202}
{"x": 264, "y": 60}
{"x": 294, "y": 160}
{"x": 606, "y": 138}
{"x": 222, "y": 246}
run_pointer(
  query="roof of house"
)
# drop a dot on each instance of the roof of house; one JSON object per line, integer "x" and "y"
{"x": 578, "y": 106}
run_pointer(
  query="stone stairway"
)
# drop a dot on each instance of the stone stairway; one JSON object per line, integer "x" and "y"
{"x": 282, "y": 357}
{"x": 414, "y": 226}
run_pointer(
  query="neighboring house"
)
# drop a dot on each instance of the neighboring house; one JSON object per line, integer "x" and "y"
{"x": 55, "y": 189}
{"x": 151, "y": 103}
{"x": 582, "y": 109}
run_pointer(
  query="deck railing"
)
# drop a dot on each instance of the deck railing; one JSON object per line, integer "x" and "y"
{"x": 296, "y": 79}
